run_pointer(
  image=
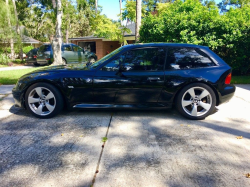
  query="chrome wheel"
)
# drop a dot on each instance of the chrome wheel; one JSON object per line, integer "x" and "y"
{"x": 196, "y": 101}
{"x": 41, "y": 101}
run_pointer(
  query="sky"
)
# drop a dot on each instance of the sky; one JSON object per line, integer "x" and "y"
{"x": 112, "y": 7}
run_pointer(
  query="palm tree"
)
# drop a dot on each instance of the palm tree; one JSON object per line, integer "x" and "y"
{"x": 96, "y": 5}
{"x": 138, "y": 20}
{"x": 9, "y": 25}
{"x": 57, "y": 39}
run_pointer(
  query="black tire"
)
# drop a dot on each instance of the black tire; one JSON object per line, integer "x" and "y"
{"x": 36, "y": 64}
{"x": 64, "y": 61}
{"x": 33, "y": 107}
{"x": 201, "y": 112}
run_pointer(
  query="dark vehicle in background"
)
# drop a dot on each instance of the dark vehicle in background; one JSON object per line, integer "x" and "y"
{"x": 31, "y": 56}
{"x": 71, "y": 53}
{"x": 190, "y": 77}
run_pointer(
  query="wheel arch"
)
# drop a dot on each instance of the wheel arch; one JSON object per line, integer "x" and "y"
{"x": 211, "y": 86}
{"x": 64, "y": 59}
{"x": 65, "y": 100}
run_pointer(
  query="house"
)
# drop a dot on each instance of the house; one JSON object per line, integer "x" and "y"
{"x": 103, "y": 46}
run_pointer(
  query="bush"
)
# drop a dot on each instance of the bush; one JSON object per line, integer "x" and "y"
{"x": 4, "y": 59}
{"x": 190, "y": 22}
{"x": 27, "y": 49}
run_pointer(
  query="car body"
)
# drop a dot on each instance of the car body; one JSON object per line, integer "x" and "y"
{"x": 31, "y": 56}
{"x": 71, "y": 53}
{"x": 154, "y": 75}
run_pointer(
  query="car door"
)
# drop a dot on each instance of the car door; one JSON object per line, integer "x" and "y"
{"x": 67, "y": 53}
{"x": 136, "y": 76}
{"x": 142, "y": 76}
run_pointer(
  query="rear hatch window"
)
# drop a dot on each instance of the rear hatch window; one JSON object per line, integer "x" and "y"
{"x": 44, "y": 48}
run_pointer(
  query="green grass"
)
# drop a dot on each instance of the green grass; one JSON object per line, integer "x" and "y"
{"x": 11, "y": 76}
{"x": 244, "y": 79}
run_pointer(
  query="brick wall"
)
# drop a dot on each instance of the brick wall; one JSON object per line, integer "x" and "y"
{"x": 101, "y": 46}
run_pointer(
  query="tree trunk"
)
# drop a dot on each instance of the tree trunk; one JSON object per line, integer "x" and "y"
{"x": 57, "y": 40}
{"x": 138, "y": 20}
{"x": 9, "y": 25}
{"x": 67, "y": 34}
{"x": 121, "y": 11}
{"x": 18, "y": 30}
{"x": 96, "y": 5}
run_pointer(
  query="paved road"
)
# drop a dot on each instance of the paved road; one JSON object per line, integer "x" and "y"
{"x": 144, "y": 148}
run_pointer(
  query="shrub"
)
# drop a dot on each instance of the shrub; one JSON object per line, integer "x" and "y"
{"x": 4, "y": 59}
{"x": 190, "y": 22}
{"x": 27, "y": 49}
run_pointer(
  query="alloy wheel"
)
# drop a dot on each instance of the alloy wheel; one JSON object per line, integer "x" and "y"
{"x": 196, "y": 101}
{"x": 41, "y": 101}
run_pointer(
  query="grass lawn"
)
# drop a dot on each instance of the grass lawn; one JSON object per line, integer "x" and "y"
{"x": 11, "y": 76}
{"x": 2, "y": 66}
{"x": 244, "y": 79}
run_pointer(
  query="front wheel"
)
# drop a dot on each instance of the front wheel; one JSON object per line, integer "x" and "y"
{"x": 196, "y": 101}
{"x": 43, "y": 100}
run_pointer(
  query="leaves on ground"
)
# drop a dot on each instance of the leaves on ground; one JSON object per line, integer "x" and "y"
{"x": 239, "y": 137}
{"x": 248, "y": 175}
{"x": 104, "y": 139}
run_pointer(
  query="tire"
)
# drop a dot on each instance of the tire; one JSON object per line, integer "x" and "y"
{"x": 36, "y": 64}
{"x": 43, "y": 100}
{"x": 196, "y": 101}
{"x": 64, "y": 61}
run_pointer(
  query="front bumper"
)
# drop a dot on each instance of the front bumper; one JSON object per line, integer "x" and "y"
{"x": 226, "y": 93}
{"x": 18, "y": 98}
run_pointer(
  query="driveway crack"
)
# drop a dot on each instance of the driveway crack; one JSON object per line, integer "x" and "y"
{"x": 100, "y": 157}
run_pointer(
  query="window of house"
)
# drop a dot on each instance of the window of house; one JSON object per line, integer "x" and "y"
{"x": 186, "y": 58}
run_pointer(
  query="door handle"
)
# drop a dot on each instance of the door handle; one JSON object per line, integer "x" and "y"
{"x": 154, "y": 78}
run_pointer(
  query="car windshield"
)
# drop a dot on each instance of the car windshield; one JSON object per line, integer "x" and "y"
{"x": 105, "y": 58}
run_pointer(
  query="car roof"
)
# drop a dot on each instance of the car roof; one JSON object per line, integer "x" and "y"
{"x": 163, "y": 45}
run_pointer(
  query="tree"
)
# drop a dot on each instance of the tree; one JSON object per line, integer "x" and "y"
{"x": 191, "y": 22}
{"x": 138, "y": 20}
{"x": 57, "y": 39}
{"x": 96, "y": 6}
{"x": 10, "y": 31}
{"x": 18, "y": 31}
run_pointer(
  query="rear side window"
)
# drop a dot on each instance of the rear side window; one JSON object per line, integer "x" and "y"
{"x": 186, "y": 58}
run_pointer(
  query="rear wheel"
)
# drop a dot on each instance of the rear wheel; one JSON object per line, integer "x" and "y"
{"x": 43, "y": 100}
{"x": 196, "y": 101}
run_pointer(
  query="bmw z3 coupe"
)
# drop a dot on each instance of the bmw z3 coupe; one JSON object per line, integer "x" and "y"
{"x": 156, "y": 75}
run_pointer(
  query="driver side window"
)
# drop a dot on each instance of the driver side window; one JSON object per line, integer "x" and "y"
{"x": 114, "y": 64}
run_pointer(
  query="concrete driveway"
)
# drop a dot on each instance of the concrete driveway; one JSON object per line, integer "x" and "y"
{"x": 144, "y": 148}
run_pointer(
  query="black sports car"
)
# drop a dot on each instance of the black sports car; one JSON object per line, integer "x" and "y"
{"x": 191, "y": 77}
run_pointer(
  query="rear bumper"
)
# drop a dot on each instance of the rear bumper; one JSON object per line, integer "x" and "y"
{"x": 42, "y": 62}
{"x": 226, "y": 93}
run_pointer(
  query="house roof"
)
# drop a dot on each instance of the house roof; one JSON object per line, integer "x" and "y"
{"x": 26, "y": 39}
{"x": 130, "y": 26}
